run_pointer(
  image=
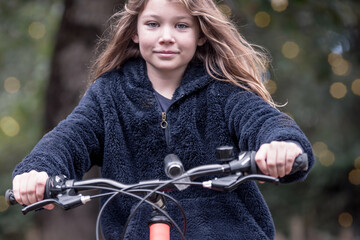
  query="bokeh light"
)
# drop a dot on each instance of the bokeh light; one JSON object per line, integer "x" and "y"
{"x": 345, "y": 219}
{"x": 279, "y": 5}
{"x": 319, "y": 147}
{"x": 338, "y": 64}
{"x": 354, "y": 176}
{"x": 290, "y": 49}
{"x": 9, "y": 126}
{"x": 271, "y": 86}
{"x": 338, "y": 90}
{"x": 335, "y": 59}
{"x": 12, "y": 85}
{"x": 325, "y": 156}
{"x": 37, "y": 30}
{"x": 357, "y": 163}
{"x": 262, "y": 19}
{"x": 225, "y": 9}
{"x": 342, "y": 69}
{"x": 3, "y": 205}
{"x": 355, "y": 87}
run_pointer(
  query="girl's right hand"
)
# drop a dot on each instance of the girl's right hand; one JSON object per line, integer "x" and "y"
{"x": 29, "y": 188}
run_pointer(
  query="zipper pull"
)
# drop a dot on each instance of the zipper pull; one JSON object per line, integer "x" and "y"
{"x": 163, "y": 123}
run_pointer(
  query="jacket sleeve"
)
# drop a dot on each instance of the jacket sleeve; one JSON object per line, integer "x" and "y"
{"x": 74, "y": 145}
{"x": 254, "y": 122}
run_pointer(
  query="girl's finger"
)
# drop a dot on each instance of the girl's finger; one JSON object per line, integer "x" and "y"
{"x": 40, "y": 185}
{"x": 271, "y": 162}
{"x": 281, "y": 159}
{"x": 290, "y": 157}
{"x": 23, "y": 188}
{"x": 31, "y": 188}
{"x": 260, "y": 159}
{"x": 49, "y": 207}
{"x": 16, "y": 189}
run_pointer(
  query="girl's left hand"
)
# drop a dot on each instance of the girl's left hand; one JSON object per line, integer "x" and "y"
{"x": 276, "y": 158}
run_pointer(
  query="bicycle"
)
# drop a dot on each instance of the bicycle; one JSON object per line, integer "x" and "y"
{"x": 64, "y": 192}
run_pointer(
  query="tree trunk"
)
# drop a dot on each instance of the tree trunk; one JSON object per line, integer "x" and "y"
{"x": 82, "y": 23}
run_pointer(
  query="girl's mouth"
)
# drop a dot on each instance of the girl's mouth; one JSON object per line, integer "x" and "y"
{"x": 166, "y": 54}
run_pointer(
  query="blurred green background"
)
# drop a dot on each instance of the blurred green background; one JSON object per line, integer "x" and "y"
{"x": 45, "y": 52}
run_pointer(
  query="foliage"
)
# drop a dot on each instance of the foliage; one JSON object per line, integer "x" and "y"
{"x": 27, "y": 37}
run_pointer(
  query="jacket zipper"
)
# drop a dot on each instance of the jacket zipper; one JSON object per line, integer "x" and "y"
{"x": 164, "y": 124}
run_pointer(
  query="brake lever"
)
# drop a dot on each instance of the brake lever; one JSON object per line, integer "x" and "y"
{"x": 65, "y": 201}
{"x": 230, "y": 183}
{"x": 38, "y": 205}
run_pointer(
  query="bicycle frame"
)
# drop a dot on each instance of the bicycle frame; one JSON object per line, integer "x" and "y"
{"x": 159, "y": 231}
{"x": 159, "y": 225}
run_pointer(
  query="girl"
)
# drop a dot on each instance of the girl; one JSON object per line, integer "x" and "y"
{"x": 175, "y": 77}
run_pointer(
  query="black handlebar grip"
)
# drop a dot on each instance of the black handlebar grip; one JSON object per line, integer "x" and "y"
{"x": 9, "y": 197}
{"x": 301, "y": 163}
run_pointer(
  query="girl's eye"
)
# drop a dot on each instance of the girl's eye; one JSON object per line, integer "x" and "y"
{"x": 181, "y": 26}
{"x": 152, "y": 24}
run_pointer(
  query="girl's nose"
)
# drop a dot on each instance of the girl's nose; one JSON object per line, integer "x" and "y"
{"x": 166, "y": 36}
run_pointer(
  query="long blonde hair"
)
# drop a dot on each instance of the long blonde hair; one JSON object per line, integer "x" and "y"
{"x": 226, "y": 54}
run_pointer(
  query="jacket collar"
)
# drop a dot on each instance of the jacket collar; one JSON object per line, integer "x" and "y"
{"x": 195, "y": 77}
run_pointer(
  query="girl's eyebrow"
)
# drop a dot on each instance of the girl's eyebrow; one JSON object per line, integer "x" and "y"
{"x": 180, "y": 17}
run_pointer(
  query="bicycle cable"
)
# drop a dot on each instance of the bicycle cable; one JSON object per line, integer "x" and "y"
{"x": 127, "y": 191}
{"x": 172, "y": 181}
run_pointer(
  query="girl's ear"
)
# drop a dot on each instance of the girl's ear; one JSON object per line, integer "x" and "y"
{"x": 135, "y": 38}
{"x": 202, "y": 41}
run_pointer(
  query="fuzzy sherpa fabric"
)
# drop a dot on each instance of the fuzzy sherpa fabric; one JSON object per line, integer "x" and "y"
{"x": 117, "y": 126}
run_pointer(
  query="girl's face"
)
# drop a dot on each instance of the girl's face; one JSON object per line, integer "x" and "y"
{"x": 167, "y": 36}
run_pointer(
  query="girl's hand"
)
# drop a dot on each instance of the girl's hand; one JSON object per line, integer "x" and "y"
{"x": 276, "y": 158}
{"x": 29, "y": 188}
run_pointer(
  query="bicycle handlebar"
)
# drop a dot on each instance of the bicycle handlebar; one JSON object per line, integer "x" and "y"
{"x": 63, "y": 192}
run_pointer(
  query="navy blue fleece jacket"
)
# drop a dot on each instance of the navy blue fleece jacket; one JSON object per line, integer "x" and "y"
{"x": 117, "y": 126}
